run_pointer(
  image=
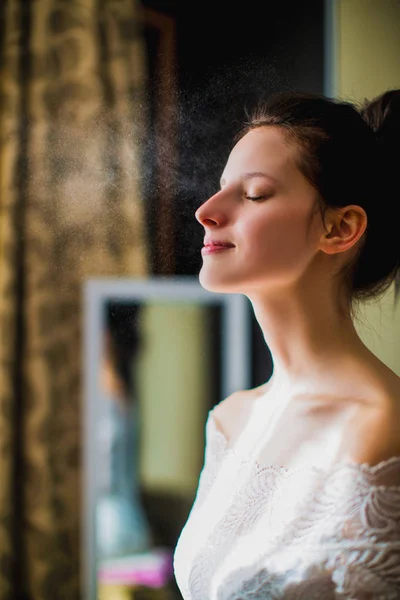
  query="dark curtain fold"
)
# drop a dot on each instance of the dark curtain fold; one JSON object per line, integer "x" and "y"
{"x": 72, "y": 122}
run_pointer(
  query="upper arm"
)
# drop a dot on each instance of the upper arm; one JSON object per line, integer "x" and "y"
{"x": 222, "y": 417}
{"x": 230, "y": 414}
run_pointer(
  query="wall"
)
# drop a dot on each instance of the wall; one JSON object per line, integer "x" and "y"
{"x": 367, "y": 51}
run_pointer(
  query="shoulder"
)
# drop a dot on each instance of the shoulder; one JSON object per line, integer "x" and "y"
{"x": 373, "y": 434}
{"x": 238, "y": 398}
{"x": 230, "y": 405}
{"x": 230, "y": 413}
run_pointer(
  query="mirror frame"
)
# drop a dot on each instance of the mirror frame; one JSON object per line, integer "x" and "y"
{"x": 235, "y": 361}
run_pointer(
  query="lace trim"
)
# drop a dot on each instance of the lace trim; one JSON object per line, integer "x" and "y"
{"x": 225, "y": 450}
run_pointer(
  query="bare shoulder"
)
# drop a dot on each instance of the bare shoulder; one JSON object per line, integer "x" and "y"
{"x": 230, "y": 414}
{"x": 374, "y": 431}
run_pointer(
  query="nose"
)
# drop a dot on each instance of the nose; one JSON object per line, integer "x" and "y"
{"x": 211, "y": 212}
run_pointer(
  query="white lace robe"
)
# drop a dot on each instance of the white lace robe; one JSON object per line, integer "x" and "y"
{"x": 269, "y": 532}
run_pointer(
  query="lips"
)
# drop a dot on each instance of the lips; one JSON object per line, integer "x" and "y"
{"x": 218, "y": 243}
{"x": 216, "y": 247}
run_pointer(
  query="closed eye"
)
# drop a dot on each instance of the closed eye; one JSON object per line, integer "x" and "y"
{"x": 256, "y": 197}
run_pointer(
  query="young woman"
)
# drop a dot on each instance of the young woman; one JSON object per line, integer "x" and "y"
{"x": 299, "y": 495}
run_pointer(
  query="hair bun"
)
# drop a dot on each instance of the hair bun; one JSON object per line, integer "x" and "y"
{"x": 382, "y": 114}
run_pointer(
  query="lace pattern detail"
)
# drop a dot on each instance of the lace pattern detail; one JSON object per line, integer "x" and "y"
{"x": 215, "y": 451}
{"x": 297, "y": 534}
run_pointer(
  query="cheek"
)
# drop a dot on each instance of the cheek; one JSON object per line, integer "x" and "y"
{"x": 279, "y": 238}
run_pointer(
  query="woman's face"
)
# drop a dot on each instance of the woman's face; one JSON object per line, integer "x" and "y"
{"x": 263, "y": 208}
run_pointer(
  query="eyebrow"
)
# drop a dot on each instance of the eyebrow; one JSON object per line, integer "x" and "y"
{"x": 252, "y": 175}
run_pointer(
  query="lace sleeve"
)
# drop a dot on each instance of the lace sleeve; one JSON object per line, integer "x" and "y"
{"x": 344, "y": 543}
{"x": 363, "y": 505}
{"x": 353, "y": 520}
{"x": 213, "y": 454}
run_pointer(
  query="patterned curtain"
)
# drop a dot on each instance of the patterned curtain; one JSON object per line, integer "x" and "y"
{"x": 72, "y": 87}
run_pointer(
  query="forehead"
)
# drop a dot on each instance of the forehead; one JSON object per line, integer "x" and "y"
{"x": 262, "y": 149}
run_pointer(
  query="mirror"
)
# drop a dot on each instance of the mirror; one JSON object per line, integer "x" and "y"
{"x": 159, "y": 354}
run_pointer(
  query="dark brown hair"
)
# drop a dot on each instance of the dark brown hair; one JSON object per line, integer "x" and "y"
{"x": 348, "y": 153}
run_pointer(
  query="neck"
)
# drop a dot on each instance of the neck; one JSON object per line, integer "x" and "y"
{"x": 309, "y": 339}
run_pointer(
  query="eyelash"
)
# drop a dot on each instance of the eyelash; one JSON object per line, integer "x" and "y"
{"x": 256, "y": 197}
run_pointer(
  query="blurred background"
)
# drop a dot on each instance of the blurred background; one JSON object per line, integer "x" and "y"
{"x": 117, "y": 117}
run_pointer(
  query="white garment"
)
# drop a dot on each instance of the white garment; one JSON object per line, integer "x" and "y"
{"x": 261, "y": 532}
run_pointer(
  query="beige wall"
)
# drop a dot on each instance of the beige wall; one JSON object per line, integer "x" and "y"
{"x": 367, "y": 64}
{"x": 368, "y": 47}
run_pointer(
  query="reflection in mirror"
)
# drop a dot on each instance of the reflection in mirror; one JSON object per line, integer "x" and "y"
{"x": 159, "y": 355}
{"x": 121, "y": 525}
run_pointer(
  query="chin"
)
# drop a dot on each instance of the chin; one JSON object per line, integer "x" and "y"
{"x": 218, "y": 286}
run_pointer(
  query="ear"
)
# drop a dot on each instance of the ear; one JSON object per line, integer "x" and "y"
{"x": 344, "y": 228}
